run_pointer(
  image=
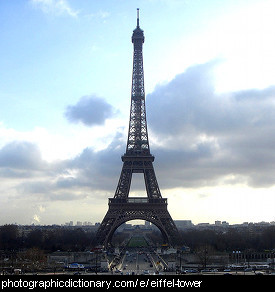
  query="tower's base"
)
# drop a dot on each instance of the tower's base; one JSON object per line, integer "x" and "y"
{"x": 123, "y": 210}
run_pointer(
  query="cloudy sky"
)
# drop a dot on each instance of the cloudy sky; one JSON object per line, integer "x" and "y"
{"x": 65, "y": 86}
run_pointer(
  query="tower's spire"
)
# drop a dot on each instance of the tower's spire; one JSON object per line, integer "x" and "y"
{"x": 137, "y": 17}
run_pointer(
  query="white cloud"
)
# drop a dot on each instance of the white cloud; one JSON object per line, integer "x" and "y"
{"x": 243, "y": 39}
{"x": 100, "y": 14}
{"x": 36, "y": 218}
{"x": 207, "y": 137}
{"x": 55, "y": 7}
{"x": 50, "y": 144}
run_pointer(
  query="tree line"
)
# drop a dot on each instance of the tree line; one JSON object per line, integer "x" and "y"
{"x": 232, "y": 239}
{"x": 48, "y": 240}
{"x": 227, "y": 240}
{"x": 80, "y": 240}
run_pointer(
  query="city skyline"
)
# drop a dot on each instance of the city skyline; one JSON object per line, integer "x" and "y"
{"x": 181, "y": 223}
{"x": 65, "y": 95}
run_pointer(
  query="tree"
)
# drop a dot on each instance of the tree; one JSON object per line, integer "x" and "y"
{"x": 9, "y": 239}
{"x": 35, "y": 239}
{"x": 205, "y": 254}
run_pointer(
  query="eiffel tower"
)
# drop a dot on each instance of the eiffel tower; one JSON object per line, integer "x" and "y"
{"x": 137, "y": 159}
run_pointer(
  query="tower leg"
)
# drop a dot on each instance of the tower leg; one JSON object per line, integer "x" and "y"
{"x": 124, "y": 183}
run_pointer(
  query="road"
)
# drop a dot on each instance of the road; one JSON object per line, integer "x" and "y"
{"x": 145, "y": 262}
{"x": 136, "y": 262}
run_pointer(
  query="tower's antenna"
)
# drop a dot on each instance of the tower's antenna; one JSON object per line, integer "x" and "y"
{"x": 137, "y": 17}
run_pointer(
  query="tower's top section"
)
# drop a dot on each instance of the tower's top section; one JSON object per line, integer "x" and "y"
{"x": 137, "y": 144}
{"x": 138, "y": 32}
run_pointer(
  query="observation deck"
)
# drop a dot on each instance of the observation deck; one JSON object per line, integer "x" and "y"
{"x": 138, "y": 200}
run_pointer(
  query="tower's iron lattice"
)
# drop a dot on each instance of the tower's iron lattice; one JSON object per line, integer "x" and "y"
{"x": 137, "y": 159}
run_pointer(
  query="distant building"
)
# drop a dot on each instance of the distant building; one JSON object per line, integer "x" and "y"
{"x": 224, "y": 223}
{"x": 86, "y": 223}
{"x": 71, "y": 223}
{"x": 183, "y": 224}
{"x": 203, "y": 224}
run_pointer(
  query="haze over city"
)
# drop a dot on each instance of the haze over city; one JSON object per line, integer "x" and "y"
{"x": 65, "y": 96}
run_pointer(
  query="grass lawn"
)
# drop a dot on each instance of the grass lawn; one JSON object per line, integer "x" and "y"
{"x": 137, "y": 241}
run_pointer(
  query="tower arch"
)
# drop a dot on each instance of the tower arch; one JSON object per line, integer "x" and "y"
{"x": 108, "y": 240}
